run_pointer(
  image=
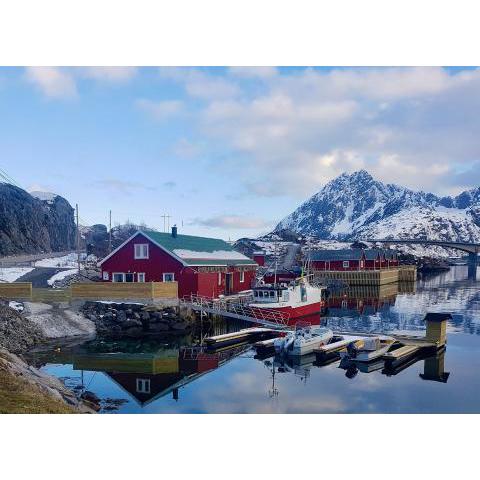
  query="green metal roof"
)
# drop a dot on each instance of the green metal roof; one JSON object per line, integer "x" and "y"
{"x": 199, "y": 245}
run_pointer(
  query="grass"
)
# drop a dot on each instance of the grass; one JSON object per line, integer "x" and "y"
{"x": 19, "y": 396}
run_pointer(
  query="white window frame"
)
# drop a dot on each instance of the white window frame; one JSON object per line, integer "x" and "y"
{"x": 143, "y": 277}
{"x": 143, "y": 385}
{"x": 118, "y": 273}
{"x": 105, "y": 276}
{"x": 142, "y": 251}
{"x": 219, "y": 281}
{"x": 169, "y": 273}
{"x": 346, "y": 264}
{"x": 242, "y": 276}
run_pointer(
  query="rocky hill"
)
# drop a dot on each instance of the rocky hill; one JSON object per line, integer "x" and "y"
{"x": 358, "y": 206}
{"x": 29, "y": 224}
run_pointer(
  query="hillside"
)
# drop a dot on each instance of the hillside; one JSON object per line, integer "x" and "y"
{"x": 358, "y": 206}
{"x": 33, "y": 225}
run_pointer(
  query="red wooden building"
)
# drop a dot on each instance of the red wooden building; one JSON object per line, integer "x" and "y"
{"x": 353, "y": 259}
{"x": 202, "y": 266}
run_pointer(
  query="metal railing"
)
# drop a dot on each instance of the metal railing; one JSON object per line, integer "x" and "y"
{"x": 226, "y": 308}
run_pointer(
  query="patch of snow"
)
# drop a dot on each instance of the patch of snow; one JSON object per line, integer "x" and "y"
{"x": 215, "y": 255}
{"x": 59, "y": 321}
{"x": 344, "y": 226}
{"x": 10, "y": 274}
{"x": 67, "y": 261}
{"x": 16, "y": 306}
{"x": 46, "y": 196}
{"x": 61, "y": 275}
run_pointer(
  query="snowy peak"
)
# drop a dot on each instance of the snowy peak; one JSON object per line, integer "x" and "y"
{"x": 357, "y": 204}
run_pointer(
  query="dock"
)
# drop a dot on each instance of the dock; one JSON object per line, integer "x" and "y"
{"x": 246, "y": 335}
{"x": 405, "y": 348}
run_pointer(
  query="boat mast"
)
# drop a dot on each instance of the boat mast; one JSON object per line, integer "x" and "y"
{"x": 276, "y": 261}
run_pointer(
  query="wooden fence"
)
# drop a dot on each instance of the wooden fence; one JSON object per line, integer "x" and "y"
{"x": 16, "y": 290}
{"x": 114, "y": 290}
{"x": 91, "y": 290}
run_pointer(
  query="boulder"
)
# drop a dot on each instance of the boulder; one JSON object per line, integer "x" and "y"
{"x": 179, "y": 326}
{"x": 159, "y": 327}
{"x": 129, "y": 323}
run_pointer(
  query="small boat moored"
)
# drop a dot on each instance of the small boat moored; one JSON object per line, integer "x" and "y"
{"x": 303, "y": 340}
{"x": 371, "y": 349}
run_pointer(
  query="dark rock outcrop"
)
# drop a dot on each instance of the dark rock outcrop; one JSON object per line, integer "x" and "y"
{"x": 17, "y": 334}
{"x": 133, "y": 319}
{"x": 31, "y": 225}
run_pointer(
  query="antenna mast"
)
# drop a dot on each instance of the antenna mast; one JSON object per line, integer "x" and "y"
{"x": 110, "y": 234}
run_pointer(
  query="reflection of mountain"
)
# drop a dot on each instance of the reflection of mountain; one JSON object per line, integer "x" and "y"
{"x": 149, "y": 376}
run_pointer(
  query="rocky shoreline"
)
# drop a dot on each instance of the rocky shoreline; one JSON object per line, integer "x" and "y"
{"x": 24, "y": 388}
{"x": 135, "y": 319}
{"x": 28, "y": 325}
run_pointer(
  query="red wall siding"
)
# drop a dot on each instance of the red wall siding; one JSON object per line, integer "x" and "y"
{"x": 260, "y": 259}
{"x": 159, "y": 262}
{"x": 336, "y": 265}
{"x": 154, "y": 267}
{"x": 246, "y": 284}
{"x": 208, "y": 284}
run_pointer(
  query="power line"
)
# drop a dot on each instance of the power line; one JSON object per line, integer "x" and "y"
{"x": 5, "y": 176}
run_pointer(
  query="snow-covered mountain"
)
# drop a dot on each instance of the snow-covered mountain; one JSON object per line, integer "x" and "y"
{"x": 357, "y": 206}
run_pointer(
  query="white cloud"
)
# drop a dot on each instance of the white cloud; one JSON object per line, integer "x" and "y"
{"x": 300, "y": 129}
{"x": 161, "y": 110}
{"x": 110, "y": 74}
{"x": 53, "y": 82}
{"x": 253, "y": 72}
{"x": 232, "y": 221}
{"x": 200, "y": 84}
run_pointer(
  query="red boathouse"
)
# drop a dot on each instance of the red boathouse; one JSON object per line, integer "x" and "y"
{"x": 202, "y": 266}
{"x": 353, "y": 259}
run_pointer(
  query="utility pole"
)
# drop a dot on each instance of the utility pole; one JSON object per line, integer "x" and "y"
{"x": 78, "y": 240}
{"x": 110, "y": 234}
{"x": 168, "y": 223}
{"x": 164, "y": 218}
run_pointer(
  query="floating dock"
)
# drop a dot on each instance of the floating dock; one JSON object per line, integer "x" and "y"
{"x": 242, "y": 336}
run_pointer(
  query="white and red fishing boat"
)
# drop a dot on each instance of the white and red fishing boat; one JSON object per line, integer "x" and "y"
{"x": 297, "y": 300}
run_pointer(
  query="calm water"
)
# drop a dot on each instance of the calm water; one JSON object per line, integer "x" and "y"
{"x": 161, "y": 376}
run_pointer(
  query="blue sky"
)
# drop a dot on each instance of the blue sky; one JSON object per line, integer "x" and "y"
{"x": 230, "y": 152}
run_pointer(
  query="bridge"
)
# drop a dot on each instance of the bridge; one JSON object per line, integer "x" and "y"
{"x": 473, "y": 249}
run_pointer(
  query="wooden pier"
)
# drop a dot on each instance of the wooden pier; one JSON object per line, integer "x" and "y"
{"x": 405, "y": 347}
{"x": 359, "y": 277}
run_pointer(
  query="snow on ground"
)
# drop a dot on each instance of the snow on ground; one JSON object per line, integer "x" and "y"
{"x": 327, "y": 244}
{"x": 61, "y": 275}
{"x": 59, "y": 320}
{"x": 273, "y": 247}
{"x": 10, "y": 274}
{"x": 16, "y": 306}
{"x": 47, "y": 196}
{"x": 67, "y": 261}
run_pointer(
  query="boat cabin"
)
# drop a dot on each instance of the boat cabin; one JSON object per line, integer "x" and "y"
{"x": 271, "y": 293}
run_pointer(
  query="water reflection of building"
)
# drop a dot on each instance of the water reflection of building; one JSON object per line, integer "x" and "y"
{"x": 362, "y": 299}
{"x": 148, "y": 377}
{"x": 434, "y": 368}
